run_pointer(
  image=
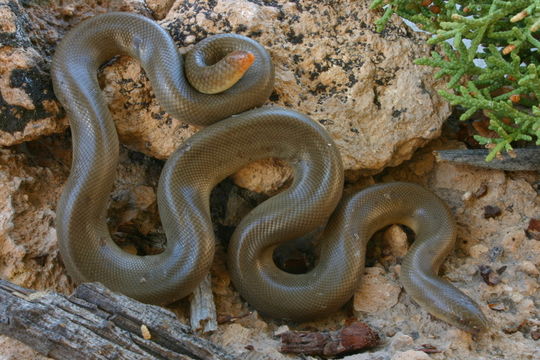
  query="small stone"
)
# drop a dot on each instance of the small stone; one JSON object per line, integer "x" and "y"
{"x": 396, "y": 241}
{"x": 281, "y": 330}
{"x": 159, "y": 7}
{"x": 401, "y": 341}
{"x": 514, "y": 328}
{"x": 528, "y": 268}
{"x": 145, "y": 332}
{"x": 525, "y": 305}
{"x": 466, "y": 196}
{"x": 533, "y": 230}
{"x": 481, "y": 191}
{"x": 490, "y": 277}
{"x": 143, "y": 197}
{"x": 516, "y": 297}
{"x": 411, "y": 355}
{"x": 266, "y": 176}
{"x": 491, "y": 212}
{"x": 495, "y": 252}
{"x": 477, "y": 251}
{"x": 513, "y": 241}
{"x": 429, "y": 349}
{"x": 535, "y": 334}
{"x": 190, "y": 39}
{"x": 497, "y": 306}
{"x": 376, "y": 292}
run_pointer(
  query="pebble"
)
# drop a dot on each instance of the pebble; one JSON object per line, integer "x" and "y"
{"x": 281, "y": 330}
{"x": 411, "y": 355}
{"x": 401, "y": 341}
{"x": 513, "y": 240}
{"x": 376, "y": 292}
{"x": 396, "y": 241}
{"x": 477, "y": 251}
{"x": 528, "y": 268}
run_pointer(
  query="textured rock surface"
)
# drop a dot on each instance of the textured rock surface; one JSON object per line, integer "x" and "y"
{"x": 28, "y": 251}
{"x": 361, "y": 85}
{"x": 28, "y": 108}
{"x": 29, "y": 31}
{"x": 376, "y": 293}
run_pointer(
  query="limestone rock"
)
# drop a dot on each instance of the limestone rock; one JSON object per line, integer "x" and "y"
{"x": 395, "y": 239}
{"x": 27, "y": 234}
{"x": 28, "y": 35}
{"x": 361, "y": 85}
{"x": 376, "y": 292}
{"x": 159, "y": 8}
{"x": 28, "y": 107}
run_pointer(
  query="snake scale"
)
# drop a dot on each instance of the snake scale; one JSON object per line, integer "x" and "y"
{"x": 234, "y": 136}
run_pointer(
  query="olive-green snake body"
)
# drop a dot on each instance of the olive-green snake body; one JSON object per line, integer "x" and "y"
{"x": 217, "y": 151}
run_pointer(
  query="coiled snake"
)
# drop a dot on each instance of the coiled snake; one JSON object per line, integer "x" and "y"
{"x": 233, "y": 137}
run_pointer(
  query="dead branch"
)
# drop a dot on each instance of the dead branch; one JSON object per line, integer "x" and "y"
{"x": 95, "y": 323}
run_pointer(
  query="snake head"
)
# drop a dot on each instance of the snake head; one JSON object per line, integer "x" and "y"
{"x": 466, "y": 315}
{"x": 473, "y": 324}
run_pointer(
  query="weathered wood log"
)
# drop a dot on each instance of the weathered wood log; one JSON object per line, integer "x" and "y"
{"x": 203, "y": 317}
{"x": 95, "y": 323}
{"x": 525, "y": 159}
{"x": 351, "y": 338}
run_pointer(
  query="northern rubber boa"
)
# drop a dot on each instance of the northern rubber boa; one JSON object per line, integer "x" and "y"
{"x": 233, "y": 137}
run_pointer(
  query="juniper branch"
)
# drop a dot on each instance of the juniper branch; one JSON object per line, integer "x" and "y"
{"x": 493, "y": 65}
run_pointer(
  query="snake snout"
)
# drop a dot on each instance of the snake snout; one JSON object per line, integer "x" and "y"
{"x": 469, "y": 317}
{"x": 474, "y": 324}
{"x": 240, "y": 60}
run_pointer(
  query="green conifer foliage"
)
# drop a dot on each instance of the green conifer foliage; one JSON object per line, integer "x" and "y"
{"x": 493, "y": 65}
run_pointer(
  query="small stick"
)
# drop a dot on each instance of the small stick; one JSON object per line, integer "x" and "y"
{"x": 351, "y": 338}
{"x": 526, "y": 159}
{"x": 203, "y": 310}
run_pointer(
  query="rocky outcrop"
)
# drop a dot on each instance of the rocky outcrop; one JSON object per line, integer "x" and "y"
{"x": 360, "y": 85}
{"x": 29, "y": 32}
{"x": 28, "y": 107}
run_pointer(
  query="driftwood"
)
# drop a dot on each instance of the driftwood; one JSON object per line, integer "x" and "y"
{"x": 351, "y": 338}
{"x": 525, "y": 159}
{"x": 202, "y": 308}
{"x": 95, "y": 323}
